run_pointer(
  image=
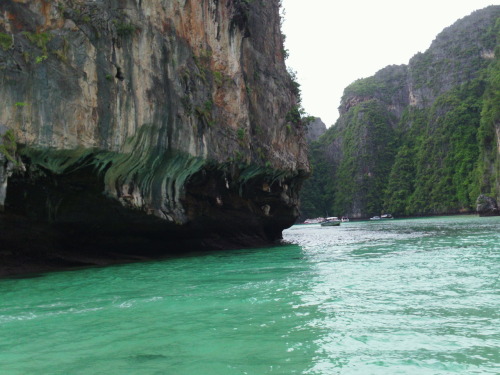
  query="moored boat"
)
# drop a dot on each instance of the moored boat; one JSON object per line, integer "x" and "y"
{"x": 331, "y": 222}
{"x": 314, "y": 221}
{"x": 382, "y": 217}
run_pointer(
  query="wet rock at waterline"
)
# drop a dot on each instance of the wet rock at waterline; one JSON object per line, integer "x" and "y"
{"x": 486, "y": 206}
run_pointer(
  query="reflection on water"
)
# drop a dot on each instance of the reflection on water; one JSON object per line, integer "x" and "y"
{"x": 414, "y": 296}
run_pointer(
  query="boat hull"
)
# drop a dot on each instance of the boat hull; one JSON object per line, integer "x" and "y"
{"x": 331, "y": 224}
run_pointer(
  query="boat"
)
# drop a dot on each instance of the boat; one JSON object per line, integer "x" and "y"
{"x": 383, "y": 217}
{"x": 314, "y": 221}
{"x": 344, "y": 219}
{"x": 331, "y": 222}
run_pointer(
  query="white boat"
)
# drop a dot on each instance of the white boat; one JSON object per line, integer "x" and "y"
{"x": 332, "y": 218}
{"x": 314, "y": 221}
{"x": 383, "y": 217}
{"x": 331, "y": 223}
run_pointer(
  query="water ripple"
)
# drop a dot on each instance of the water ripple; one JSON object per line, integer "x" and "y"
{"x": 414, "y": 296}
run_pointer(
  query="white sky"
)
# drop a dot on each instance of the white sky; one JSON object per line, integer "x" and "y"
{"x": 334, "y": 42}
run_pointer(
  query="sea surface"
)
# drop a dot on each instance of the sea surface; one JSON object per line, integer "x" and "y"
{"x": 417, "y": 296}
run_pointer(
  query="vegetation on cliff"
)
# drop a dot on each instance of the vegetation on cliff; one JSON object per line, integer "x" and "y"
{"x": 171, "y": 124}
{"x": 489, "y": 129}
{"x": 417, "y": 139}
{"x": 441, "y": 152}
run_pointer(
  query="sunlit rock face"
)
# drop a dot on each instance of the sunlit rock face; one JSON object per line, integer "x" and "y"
{"x": 168, "y": 112}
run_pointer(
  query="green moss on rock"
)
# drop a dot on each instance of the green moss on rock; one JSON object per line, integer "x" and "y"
{"x": 6, "y": 41}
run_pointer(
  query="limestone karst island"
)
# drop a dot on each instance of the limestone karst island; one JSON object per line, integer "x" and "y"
{"x": 169, "y": 206}
{"x": 139, "y": 129}
{"x": 417, "y": 139}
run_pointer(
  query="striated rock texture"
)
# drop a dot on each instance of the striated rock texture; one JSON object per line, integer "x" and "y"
{"x": 156, "y": 121}
{"x": 417, "y": 139}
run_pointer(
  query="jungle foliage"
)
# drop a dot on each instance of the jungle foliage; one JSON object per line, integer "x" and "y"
{"x": 432, "y": 158}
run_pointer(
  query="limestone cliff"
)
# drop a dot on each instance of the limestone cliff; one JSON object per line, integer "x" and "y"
{"x": 421, "y": 138}
{"x": 315, "y": 129}
{"x": 161, "y": 119}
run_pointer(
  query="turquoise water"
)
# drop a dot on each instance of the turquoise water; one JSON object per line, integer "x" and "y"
{"x": 416, "y": 296}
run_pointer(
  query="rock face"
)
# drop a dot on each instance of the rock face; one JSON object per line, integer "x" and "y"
{"x": 486, "y": 206}
{"x": 315, "y": 129}
{"x": 417, "y": 139}
{"x": 9, "y": 161}
{"x": 153, "y": 120}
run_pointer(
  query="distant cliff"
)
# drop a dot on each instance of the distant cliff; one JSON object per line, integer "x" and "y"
{"x": 315, "y": 129}
{"x": 170, "y": 122}
{"x": 417, "y": 139}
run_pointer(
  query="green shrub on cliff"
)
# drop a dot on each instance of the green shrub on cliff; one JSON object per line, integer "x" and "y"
{"x": 6, "y": 41}
{"x": 124, "y": 29}
{"x": 39, "y": 39}
{"x": 8, "y": 145}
